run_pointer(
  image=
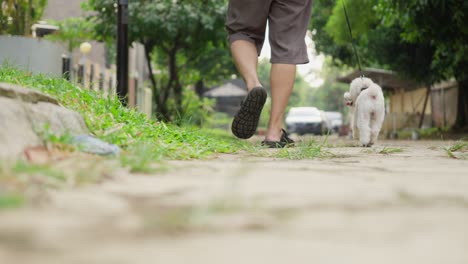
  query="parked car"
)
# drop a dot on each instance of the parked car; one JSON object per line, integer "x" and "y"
{"x": 334, "y": 121}
{"x": 303, "y": 120}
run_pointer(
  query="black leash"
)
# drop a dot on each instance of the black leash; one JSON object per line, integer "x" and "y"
{"x": 352, "y": 39}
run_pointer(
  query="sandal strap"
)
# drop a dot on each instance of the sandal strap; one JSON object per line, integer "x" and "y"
{"x": 285, "y": 137}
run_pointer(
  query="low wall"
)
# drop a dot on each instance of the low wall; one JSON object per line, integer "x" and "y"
{"x": 32, "y": 54}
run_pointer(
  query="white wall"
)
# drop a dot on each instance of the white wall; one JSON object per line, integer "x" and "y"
{"x": 31, "y": 54}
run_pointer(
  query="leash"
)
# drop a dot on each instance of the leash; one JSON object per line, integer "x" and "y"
{"x": 352, "y": 39}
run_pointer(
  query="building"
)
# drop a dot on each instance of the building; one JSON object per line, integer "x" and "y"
{"x": 228, "y": 96}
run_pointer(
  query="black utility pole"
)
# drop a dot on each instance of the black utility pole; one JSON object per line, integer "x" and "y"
{"x": 122, "y": 51}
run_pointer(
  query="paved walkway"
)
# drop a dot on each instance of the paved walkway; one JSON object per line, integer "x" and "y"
{"x": 360, "y": 207}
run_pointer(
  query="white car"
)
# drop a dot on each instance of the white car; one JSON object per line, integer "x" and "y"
{"x": 303, "y": 120}
{"x": 334, "y": 121}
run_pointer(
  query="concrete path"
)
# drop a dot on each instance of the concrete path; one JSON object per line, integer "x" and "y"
{"x": 359, "y": 207}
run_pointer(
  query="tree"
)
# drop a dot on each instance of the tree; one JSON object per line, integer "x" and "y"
{"x": 17, "y": 16}
{"x": 72, "y": 31}
{"x": 329, "y": 96}
{"x": 330, "y": 33}
{"x": 179, "y": 35}
{"x": 422, "y": 40}
{"x": 442, "y": 25}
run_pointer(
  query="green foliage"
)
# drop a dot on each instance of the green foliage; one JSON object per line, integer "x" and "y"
{"x": 425, "y": 41}
{"x": 329, "y": 96}
{"x": 390, "y": 150}
{"x": 110, "y": 121}
{"x": 17, "y": 16}
{"x": 46, "y": 134}
{"x": 73, "y": 31}
{"x": 195, "y": 111}
{"x": 412, "y": 61}
{"x": 32, "y": 169}
{"x": 219, "y": 120}
{"x": 304, "y": 150}
{"x": 362, "y": 12}
{"x": 321, "y": 12}
{"x": 441, "y": 24}
{"x": 186, "y": 39}
{"x": 10, "y": 201}
{"x": 459, "y": 150}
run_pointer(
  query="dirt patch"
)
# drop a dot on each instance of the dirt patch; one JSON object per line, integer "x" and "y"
{"x": 359, "y": 206}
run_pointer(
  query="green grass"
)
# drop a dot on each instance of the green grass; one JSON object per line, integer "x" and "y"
{"x": 425, "y": 133}
{"x": 390, "y": 150}
{"x": 303, "y": 150}
{"x": 459, "y": 150}
{"x": 31, "y": 169}
{"x": 107, "y": 119}
{"x": 8, "y": 201}
{"x": 145, "y": 143}
{"x": 307, "y": 149}
{"x": 383, "y": 151}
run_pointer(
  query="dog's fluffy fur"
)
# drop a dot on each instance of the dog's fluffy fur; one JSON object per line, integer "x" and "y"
{"x": 367, "y": 107}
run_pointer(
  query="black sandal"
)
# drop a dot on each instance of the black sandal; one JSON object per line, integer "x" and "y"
{"x": 246, "y": 120}
{"x": 285, "y": 141}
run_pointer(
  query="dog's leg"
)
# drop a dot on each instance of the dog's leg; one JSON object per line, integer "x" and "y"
{"x": 354, "y": 122}
{"x": 376, "y": 125}
{"x": 364, "y": 129}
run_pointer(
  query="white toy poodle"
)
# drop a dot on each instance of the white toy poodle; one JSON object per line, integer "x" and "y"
{"x": 367, "y": 108}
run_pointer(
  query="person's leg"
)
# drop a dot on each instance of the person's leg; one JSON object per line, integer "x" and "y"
{"x": 245, "y": 121}
{"x": 245, "y": 58}
{"x": 288, "y": 20}
{"x": 246, "y": 25}
{"x": 282, "y": 78}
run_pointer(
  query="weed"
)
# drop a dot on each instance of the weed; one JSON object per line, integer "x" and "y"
{"x": 308, "y": 149}
{"x": 458, "y": 150}
{"x": 143, "y": 159}
{"x": 45, "y": 170}
{"x": 110, "y": 121}
{"x": 10, "y": 201}
{"x": 390, "y": 150}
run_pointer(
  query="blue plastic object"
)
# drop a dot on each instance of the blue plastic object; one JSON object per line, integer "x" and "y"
{"x": 90, "y": 144}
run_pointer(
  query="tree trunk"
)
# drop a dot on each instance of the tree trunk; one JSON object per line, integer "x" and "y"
{"x": 148, "y": 49}
{"x": 175, "y": 85}
{"x": 462, "y": 111}
{"x": 200, "y": 88}
{"x": 161, "y": 109}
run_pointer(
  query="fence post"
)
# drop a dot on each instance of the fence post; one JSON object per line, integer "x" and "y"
{"x": 109, "y": 90}
{"x": 81, "y": 74}
{"x": 91, "y": 76}
{"x": 66, "y": 67}
{"x": 101, "y": 81}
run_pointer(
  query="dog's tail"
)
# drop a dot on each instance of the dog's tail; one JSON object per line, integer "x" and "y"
{"x": 374, "y": 92}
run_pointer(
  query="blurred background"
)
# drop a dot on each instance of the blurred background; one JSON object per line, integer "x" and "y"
{"x": 180, "y": 69}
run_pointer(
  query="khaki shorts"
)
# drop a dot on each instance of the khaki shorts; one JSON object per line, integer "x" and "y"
{"x": 288, "y": 22}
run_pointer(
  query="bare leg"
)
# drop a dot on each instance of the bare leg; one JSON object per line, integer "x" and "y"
{"x": 282, "y": 78}
{"x": 245, "y": 121}
{"x": 246, "y": 59}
